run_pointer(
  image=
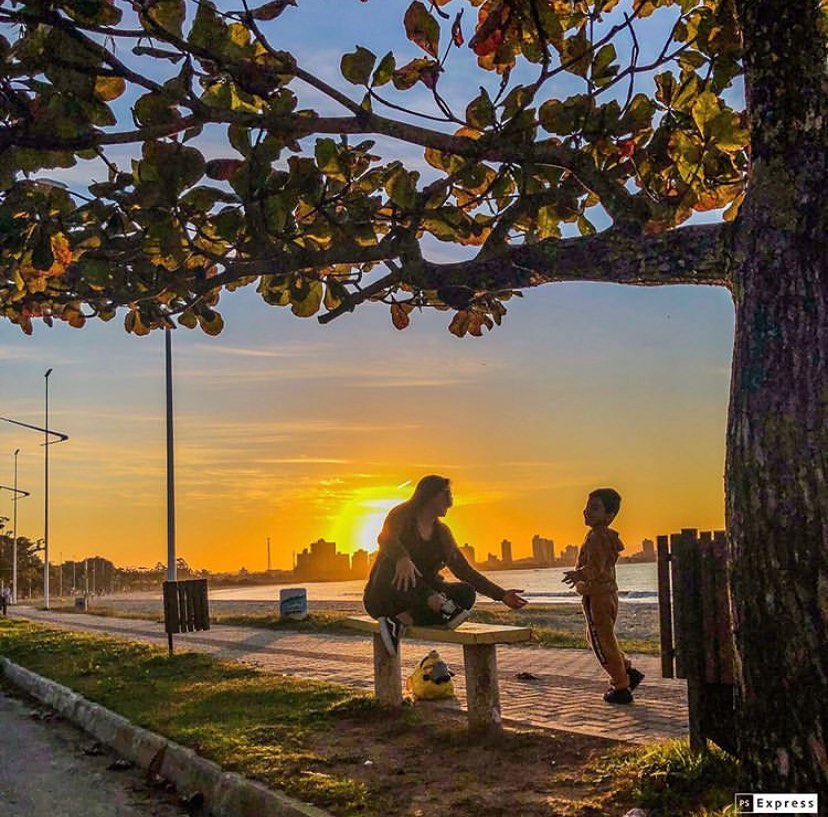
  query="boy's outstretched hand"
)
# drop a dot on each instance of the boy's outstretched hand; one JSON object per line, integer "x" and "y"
{"x": 514, "y": 601}
{"x": 570, "y": 578}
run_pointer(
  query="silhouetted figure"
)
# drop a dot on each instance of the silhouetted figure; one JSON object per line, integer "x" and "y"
{"x": 405, "y": 586}
{"x": 594, "y": 579}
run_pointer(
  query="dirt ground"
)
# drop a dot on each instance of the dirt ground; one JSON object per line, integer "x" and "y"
{"x": 424, "y": 763}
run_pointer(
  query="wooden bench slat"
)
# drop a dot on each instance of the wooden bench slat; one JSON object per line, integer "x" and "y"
{"x": 466, "y": 633}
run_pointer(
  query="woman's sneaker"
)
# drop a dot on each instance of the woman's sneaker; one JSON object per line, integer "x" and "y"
{"x": 391, "y": 631}
{"x": 453, "y": 614}
{"x": 635, "y": 676}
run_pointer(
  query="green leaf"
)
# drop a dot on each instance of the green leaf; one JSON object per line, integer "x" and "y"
{"x": 328, "y": 159}
{"x": 421, "y": 28}
{"x": 419, "y": 69}
{"x": 705, "y": 109}
{"x": 602, "y": 68}
{"x": 222, "y": 169}
{"x": 306, "y": 299}
{"x": 384, "y": 71}
{"x": 168, "y": 14}
{"x": 357, "y": 67}
{"x": 480, "y": 112}
{"x": 209, "y": 30}
{"x": 401, "y": 187}
{"x": 155, "y": 109}
{"x": 726, "y": 132}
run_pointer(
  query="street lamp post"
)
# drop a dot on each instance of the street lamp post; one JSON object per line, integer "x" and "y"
{"x": 60, "y": 437}
{"x": 46, "y": 497}
{"x": 14, "y": 533}
{"x": 171, "y": 564}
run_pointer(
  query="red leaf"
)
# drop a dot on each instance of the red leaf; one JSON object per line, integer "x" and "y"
{"x": 457, "y": 31}
{"x": 399, "y": 316}
{"x": 626, "y": 148}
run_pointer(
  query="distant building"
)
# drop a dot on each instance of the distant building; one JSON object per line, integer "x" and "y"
{"x": 543, "y": 550}
{"x": 570, "y": 555}
{"x": 468, "y": 551}
{"x": 359, "y": 564}
{"x": 321, "y": 562}
{"x": 648, "y": 549}
{"x": 506, "y": 552}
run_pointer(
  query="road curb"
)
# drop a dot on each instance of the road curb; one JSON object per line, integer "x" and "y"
{"x": 226, "y": 794}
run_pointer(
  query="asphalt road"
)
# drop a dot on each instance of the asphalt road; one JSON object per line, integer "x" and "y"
{"x": 48, "y": 768}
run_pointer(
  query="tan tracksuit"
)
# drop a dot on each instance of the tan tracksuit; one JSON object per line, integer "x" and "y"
{"x": 595, "y": 581}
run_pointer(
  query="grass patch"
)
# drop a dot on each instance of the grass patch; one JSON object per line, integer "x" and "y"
{"x": 246, "y": 721}
{"x": 339, "y": 750}
{"x": 669, "y": 779}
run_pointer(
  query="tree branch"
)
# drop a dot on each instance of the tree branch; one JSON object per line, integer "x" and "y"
{"x": 688, "y": 255}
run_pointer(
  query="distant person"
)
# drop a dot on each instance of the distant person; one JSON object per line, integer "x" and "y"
{"x": 405, "y": 586}
{"x": 594, "y": 579}
{"x": 5, "y": 598}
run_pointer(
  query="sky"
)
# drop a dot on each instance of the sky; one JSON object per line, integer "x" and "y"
{"x": 291, "y": 430}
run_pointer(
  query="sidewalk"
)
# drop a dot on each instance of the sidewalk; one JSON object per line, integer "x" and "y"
{"x": 566, "y": 695}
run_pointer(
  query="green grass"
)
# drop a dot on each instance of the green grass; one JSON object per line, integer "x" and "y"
{"x": 669, "y": 779}
{"x": 246, "y": 721}
{"x": 280, "y": 730}
{"x": 569, "y": 633}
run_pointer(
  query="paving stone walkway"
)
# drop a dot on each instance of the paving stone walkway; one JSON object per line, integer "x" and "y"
{"x": 565, "y": 693}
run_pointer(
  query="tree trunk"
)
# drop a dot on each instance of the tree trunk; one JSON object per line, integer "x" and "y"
{"x": 777, "y": 462}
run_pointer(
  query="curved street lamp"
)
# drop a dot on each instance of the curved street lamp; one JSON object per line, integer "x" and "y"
{"x": 60, "y": 438}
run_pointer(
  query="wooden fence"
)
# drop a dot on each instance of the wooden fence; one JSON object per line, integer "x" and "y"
{"x": 185, "y": 607}
{"x": 697, "y": 631}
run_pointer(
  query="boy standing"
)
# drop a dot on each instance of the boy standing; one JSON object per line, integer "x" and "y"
{"x": 594, "y": 579}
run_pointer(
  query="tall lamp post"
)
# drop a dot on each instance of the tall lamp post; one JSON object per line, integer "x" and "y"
{"x": 171, "y": 565}
{"x": 46, "y": 496}
{"x": 19, "y": 493}
{"x": 14, "y": 533}
{"x": 60, "y": 437}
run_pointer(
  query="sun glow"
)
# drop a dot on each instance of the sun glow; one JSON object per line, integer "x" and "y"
{"x": 360, "y": 520}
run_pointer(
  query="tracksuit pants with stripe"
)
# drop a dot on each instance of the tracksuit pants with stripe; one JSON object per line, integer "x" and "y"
{"x": 600, "y": 613}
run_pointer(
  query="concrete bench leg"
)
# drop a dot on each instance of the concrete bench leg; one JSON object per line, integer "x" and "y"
{"x": 482, "y": 689}
{"x": 387, "y": 675}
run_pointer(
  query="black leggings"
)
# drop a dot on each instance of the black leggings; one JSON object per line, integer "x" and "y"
{"x": 381, "y": 598}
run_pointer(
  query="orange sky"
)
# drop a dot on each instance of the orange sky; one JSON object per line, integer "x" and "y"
{"x": 291, "y": 430}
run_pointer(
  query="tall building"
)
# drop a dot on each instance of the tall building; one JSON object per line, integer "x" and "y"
{"x": 506, "y": 551}
{"x": 543, "y": 550}
{"x": 321, "y": 562}
{"x": 648, "y": 548}
{"x": 359, "y": 564}
{"x": 570, "y": 555}
{"x": 468, "y": 551}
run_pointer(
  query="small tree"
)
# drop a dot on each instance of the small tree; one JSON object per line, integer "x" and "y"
{"x": 518, "y": 174}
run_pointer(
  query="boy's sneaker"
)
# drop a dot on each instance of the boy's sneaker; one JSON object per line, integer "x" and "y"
{"x": 391, "y": 631}
{"x": 453, "y": 614}
{"x": 635, "y": 676}
{"x": 618, "y": 696}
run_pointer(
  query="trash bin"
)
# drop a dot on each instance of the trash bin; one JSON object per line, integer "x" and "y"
{"x": 81, "y": 604}
{"x": 293, "y": 603}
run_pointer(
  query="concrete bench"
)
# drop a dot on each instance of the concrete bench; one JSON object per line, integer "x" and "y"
{"x": 479, "y": 655}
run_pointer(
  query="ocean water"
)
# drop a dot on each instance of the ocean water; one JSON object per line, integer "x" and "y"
{"x": 636, "y": 583}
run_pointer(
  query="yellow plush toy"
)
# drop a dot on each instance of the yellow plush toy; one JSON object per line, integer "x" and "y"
{"x": 431, "y": 679}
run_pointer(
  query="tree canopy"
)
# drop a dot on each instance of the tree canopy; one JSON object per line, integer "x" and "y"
{"x": 320, "y": 217}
